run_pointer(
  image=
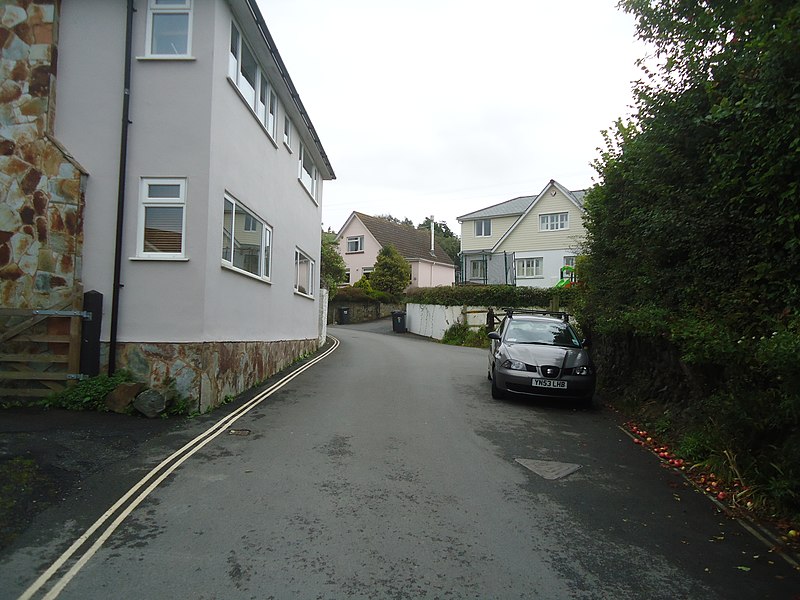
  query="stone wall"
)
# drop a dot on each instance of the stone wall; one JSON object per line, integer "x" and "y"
{"x": 205, "y": 373}
{"x": 41, "y": 185}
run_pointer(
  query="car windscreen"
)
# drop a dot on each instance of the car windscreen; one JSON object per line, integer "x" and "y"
{"x": 541, "y": 332}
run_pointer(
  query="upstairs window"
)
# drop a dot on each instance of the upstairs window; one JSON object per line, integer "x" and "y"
{"x": 162, "y": 218}
{"x": 169, "y": 28}
{"x": 246, "y": 240}
{"x": 250, "y": 79}
{"x": 287, "y": 133}
{"x": 308, "y": 172}
{"x": 355, "y": 243}
{"x": 483, "y": 228}
{"x": 554, "y": 221}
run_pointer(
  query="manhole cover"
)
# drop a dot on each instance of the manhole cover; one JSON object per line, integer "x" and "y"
{"x": 548, "y": 469}
{"x": 239, "y": 432}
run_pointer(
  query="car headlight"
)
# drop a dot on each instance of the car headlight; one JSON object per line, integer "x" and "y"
{"x": 584, "y": 370}
{"x": 514, "y": 365}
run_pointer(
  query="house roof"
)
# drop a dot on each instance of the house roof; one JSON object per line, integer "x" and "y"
{"x": 520, "y": 205}
{"x": 253, "y": 9}
{"x": 508, "y": 208}
{"x": 411, "y": 243}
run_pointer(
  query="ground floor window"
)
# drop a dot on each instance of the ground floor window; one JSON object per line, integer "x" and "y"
{"x": 477, "y": 269}
{"x": 246, "y": 240}
{"x": 303, "y": 273}
{"x": 162, "y": 218}
{"x": 529, "y": 267}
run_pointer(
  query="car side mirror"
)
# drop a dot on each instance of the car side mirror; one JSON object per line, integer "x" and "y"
{"x": 586, "y": 344}
{"x": 493, "y": 335}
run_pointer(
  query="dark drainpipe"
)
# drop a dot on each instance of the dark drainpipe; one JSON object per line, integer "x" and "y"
{"x": 123, "y": 164}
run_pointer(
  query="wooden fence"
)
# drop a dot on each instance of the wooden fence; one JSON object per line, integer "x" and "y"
{"x": 40, "y": 348}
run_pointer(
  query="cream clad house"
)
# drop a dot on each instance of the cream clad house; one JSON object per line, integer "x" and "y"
{"x": 525, "y": 241}
{"x": 177, "y": 154}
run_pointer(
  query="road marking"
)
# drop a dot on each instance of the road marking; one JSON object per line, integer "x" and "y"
{"x": 169, "y": 464}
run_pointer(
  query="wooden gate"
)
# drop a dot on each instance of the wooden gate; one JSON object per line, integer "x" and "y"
{"x": 40, "y": 349}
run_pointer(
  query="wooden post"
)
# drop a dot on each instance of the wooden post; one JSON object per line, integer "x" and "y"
{"x": 74, "y": 353}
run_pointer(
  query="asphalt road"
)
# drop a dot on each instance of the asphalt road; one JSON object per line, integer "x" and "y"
{"x": 387, "y": 471}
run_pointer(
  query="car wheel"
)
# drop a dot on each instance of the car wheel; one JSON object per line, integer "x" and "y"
{"x": 497, "y": 393}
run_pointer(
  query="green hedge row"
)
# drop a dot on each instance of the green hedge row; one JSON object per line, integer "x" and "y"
{"x": 497, "y": 296}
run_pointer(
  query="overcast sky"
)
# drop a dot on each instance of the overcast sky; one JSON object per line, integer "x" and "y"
{"x": 444, "y": 107}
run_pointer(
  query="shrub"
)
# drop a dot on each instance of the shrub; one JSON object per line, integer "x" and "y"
{"x": 461, "y": 334}
{"x": 87, "y": 394}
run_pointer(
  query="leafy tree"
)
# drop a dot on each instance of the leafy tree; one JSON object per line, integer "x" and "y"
{"x": 392, "y": 273}
{"x": 694, "y": 233}
{"x": 332, "y": 268}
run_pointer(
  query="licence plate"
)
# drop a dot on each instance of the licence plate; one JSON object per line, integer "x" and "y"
{"x": 549, "y": 383}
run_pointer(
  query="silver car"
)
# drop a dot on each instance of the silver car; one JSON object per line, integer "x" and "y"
{"x": 538, "y": 353}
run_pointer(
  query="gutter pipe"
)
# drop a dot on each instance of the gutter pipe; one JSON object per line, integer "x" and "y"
{"x": 123, "y": 165}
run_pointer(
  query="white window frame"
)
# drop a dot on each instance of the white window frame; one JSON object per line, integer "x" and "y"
{"x": 259, "y": 97}
{"x": 308, "y": 280}
{"x": 288, "y": 133}
{"x": 347, "y": 277}
{"x": 569, "y": 261}
{"x": 477, "y": 268}
{"x": 529, "y": 268}
{"x": 168, "y": 7}
{"x": 309, "y": 180}
{"x": 146, "y": 201}
{"x": 359, "y": 244}
{"x": 554, "y": 221}
{"x": 267, "y": 240}
{"x": 483, "y": 228}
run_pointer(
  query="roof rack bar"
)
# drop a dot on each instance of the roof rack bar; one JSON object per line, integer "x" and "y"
{"x": 527, "y": 311}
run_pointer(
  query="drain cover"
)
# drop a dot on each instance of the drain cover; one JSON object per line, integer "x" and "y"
{"x": 547, "y": 468}
{"x": 239, "y": 432}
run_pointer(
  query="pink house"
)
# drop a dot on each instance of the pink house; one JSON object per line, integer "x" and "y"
{"x": 362, "y": 237}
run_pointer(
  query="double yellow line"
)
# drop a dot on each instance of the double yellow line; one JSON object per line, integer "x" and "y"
{"x": 150, "y": 482}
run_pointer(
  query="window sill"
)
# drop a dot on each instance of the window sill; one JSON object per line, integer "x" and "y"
{"x": 252, "y": 112}
{"x": 167, "y": 58}
{"x": 160, "y": 258}
{"x": 355, "y": 252}
{"x": 288, "y": 147}
{"x": 305, "y": 189}
{"x": 303, "y": 295}
{"x": 245, "y": 273}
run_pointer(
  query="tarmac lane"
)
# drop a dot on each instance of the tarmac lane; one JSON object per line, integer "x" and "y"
{"x": 385, "y": 470}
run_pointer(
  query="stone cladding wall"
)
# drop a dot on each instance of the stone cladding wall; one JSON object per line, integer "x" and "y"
{"x": 41, "y": 185}
{"x": 205, "y": 373}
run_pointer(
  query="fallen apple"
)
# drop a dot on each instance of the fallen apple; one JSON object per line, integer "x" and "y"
{"x": 722, "y": 496}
